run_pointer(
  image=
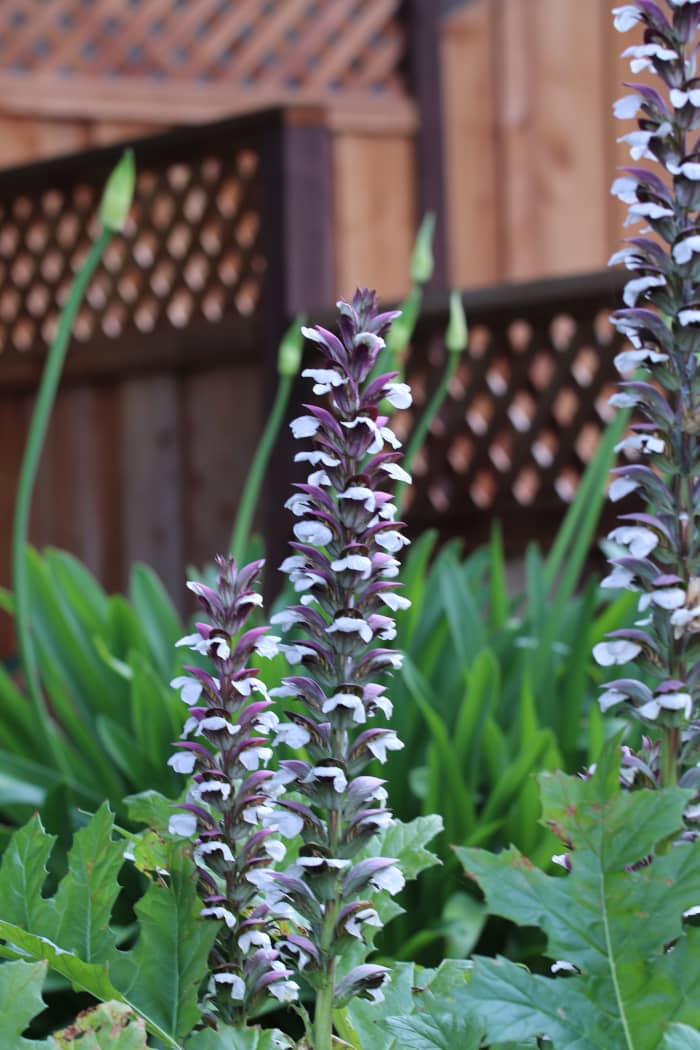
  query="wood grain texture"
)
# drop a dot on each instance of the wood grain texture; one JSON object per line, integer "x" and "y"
{"x": 530, "y": 139}
{"x": 471, "y": 155}
{"x": 375, "y": 220}
{"x": 150, "y": 471}
{"x": 221, "y": 418}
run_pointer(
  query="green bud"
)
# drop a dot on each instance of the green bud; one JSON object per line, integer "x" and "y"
{"x": 291, "y": 346}
{"x": 118, "y": 194}
{"x": 457, "y": 332}
{"x": 401, "y": 331}
{"x": 422, "y": 262}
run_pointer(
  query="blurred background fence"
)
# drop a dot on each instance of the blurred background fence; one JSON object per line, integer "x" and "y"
{"x": 343, "y": 123}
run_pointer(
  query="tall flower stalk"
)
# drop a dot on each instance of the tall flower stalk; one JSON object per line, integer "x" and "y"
{"x": 343, "y": 570}
{"x": 659, "y": 544}
{"x": 224, "y": 750}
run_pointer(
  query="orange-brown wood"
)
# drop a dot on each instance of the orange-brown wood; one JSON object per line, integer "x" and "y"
{"x": 375, "y": 217}
{"x": 469, "y": 88}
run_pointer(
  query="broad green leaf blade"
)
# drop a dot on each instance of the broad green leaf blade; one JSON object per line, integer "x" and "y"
{"x": 109, "y": 1026}
{"x": 437, "y": 1027}
{"x": 161, "y": 975}
{"x": 85, "y": 897}
{"x": 515, "y": 1005}
{"x": 612, "y": 918}
{"x": 84, "y": 977}
{"x": 23, "y": 782}
{"x": 22, "y": 875}
{"x": 160, "y": 622}
{"x": 362, "y": 1022}
{"x": 20, "y": 1001}
{"x": 681, "y": 1037}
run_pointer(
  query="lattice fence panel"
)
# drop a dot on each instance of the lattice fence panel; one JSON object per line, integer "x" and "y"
{"x": 191, "y": 251}
{"x": 286, "y": 45}
{"x": 524, "y": 413}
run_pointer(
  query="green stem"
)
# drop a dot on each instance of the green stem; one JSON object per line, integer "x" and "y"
{"x": 253, "y": 483}
{"x": 27, "y": 478}
{"x": 670, "y": 743}
{"x": 423, "y": 425}
{"x": 323, "y": 1012}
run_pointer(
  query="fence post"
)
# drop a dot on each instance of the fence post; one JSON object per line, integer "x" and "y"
{"x": 298, "y": 243}
{"x": 423, "y": 27}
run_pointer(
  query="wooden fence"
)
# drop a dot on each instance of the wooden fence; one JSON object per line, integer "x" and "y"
{"x": 173, "y": 363}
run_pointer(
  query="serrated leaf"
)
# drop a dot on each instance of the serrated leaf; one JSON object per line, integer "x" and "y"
{"x": 20, "y": 1002}
{"x": 22, "y": 875}
{"x": 109, "y": 1026}
{"x": 407, "y": 841}
{"x": 161, "y": 975}
{"x": 436, "y": 1027}
{"x": 228, "y": 1038}
{"x": 92, "y": 978}
{"x": 612, "y": 917}
{"x": 83, "y": 903}
{"x": 362, "y": 1022}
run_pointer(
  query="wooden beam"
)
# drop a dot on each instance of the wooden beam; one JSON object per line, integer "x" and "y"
{"x": 145, "y": 100}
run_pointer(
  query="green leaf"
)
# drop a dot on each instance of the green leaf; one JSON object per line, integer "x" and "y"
{"x": 23, "y": 782}
{"x": 446, "y": 758}
{"x": 20, "y": 1001}
{"x": 109, "y": 1026}
{"x": 22, "y": 876}
{"x": 407, "y": 843}
{"x": 410, "y": 986}
{"x": 161, "y": 975}
{"x": 436, "y": 1027}
{"x": 83, "y": 903}
{"x": 159, "y": 620}
{"x": 681, "y": 1037}
{"x": 611, "y": 917}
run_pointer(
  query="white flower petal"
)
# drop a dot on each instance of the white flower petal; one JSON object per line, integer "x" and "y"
{"x": 619, "y": 651}
{"x": 351, "y": 625}
{"x": 626, "y": 17}
{"x": 304, "y": 426}
{"x": 183, "y": 824}
{"x": 398, "y": 395}
{"x": 625, "y": 108}
{"x": 620, "y": 488}
{"x": 313, "y": 532}
{"x": 182, "y": 761}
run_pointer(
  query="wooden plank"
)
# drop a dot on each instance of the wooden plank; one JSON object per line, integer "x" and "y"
{"x": 469, "y": 50}
{"x": 374, "y": 213}
{"x": 150, "y": 474}
{"x": 554, "y": 137}
{"x": 144, "y": 99}
{"x": 221, "y": 423}
{"x": 105, "y": 132}
{"x": 65, "y": 510}
{"x": 24, "y": 141}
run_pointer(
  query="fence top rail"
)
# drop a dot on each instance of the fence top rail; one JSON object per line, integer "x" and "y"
{"x": 571, "y": 293}
{"x": 91, "y": 165}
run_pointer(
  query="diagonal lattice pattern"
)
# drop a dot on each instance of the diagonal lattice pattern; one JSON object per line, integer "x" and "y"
{"x": 524, "y": 413}
{"x": 286, "y": 45}
{"x": 191, "y": 251}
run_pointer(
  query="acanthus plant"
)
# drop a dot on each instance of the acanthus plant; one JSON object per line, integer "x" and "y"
{"x": 660, "y": 544}
{"x": 343, "y": 568}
